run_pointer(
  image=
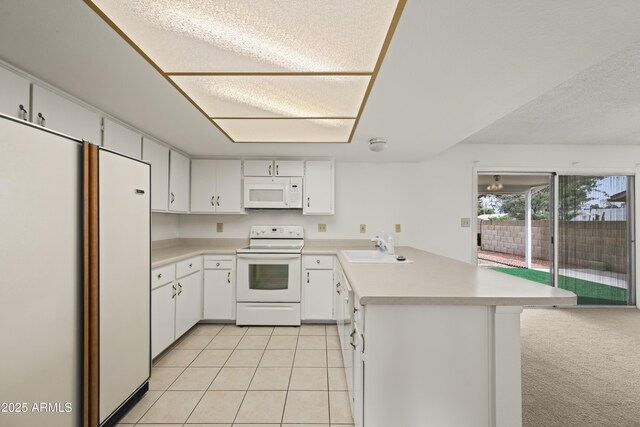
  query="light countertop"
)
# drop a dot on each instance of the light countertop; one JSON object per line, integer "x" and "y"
{"x": 430, "y": 280}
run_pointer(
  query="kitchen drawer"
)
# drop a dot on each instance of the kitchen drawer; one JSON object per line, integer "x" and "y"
{"x": 162, "y": 275}
{"x": 218, "y": 263}
{"x": 186, "y": 267}
{"x": 318, "y": 261}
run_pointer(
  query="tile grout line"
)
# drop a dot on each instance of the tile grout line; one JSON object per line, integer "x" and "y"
{"x": 214, "y": 378}
{"x": 286, "y": 396}
{"x": 253, "y": 376}
{"x": 173, "y": 347}
{"x": 326, "y": 355}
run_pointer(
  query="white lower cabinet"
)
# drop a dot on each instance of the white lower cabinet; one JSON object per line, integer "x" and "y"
{"x": 317, "y": 295}
{"x": 176, "y": 303}
{"x": 219, "y": 288}
{"x": 188, "y": 302}
{"x": 163, "y": 317}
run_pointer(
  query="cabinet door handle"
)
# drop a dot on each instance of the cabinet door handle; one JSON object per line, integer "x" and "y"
{"x": 174, "y": 291}
{"x": 213, "y": 198}
{"x": 179, "y": 286}
{"x": 218, "y": 201}
{"x": 160, "y": 276}
{"x": 217, "y": 264}
{"x": 24, "y": 115}
{"x": 308, "y": 201}
{"x": 269, "y": 170}
{"x": 307, "y": 277}
{"x": 41, "y": 120}
{"x": 229, "y": 277}
{"x": 277, "y": 171}
{"x": 317, "y": 261}
{"x": 190, "y": 265}
{"x": 173, "y": 197}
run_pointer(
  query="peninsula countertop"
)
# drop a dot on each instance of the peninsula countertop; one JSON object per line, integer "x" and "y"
{"x": 430, "y": 280}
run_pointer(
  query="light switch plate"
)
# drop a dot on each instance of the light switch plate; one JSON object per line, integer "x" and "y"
{"x": 363, "y": 228}
{"x": 322, "y": 228}
{"x": 219, "y": 227}
{"x": 398, "y": 228}
{"x": 465, "y": 222}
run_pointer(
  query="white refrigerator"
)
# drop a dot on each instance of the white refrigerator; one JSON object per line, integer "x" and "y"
{"x": 74, "y": 279}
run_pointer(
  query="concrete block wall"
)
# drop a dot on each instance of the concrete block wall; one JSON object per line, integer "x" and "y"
{"x": 598, "y": 245}
{"x": 508, "y": 237}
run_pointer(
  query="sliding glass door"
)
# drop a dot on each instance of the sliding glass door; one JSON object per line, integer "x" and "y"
{"x": 595, "y": 228}
{"x": 570, "y": 231}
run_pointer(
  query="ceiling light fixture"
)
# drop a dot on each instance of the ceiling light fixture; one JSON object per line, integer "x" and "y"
{"x": 268, "y": 71}
{"x": 496, "y": 185}
{"x": 377, "y": 144}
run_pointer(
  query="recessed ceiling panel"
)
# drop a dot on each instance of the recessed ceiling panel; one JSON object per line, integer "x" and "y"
{"x": 255, "y": 35}
{"x": 276, "y": 96}
{"x": 303, "y": 67}
{"x": 287, "y": 130}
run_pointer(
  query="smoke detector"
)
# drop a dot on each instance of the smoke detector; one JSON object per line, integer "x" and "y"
{"x": 377, "y": 144}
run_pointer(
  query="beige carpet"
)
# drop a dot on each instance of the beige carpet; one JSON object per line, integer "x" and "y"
{"x": 581, "y": 367}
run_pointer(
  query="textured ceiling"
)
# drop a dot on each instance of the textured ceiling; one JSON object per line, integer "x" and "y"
{"x": 598, "y": 106}
{"x": 453, "y": 68}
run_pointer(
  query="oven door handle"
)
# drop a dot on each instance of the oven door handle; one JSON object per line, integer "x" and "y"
{"x": 269, "y": 256}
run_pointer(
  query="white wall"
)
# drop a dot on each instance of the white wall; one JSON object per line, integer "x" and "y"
{"x": 446, "y": 184}
{"x": 366, "y": 193}
{"x": 164, "y": 226}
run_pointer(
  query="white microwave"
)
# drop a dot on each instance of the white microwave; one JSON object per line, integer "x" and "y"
{"x": 272, "y": 193}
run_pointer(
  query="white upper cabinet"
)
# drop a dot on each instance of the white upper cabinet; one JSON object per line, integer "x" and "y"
{"x": 203, "y": 185}
{"x": 318, "y": 188}
{"x": 158, "y": 156}
{"x": 60, "y": 114}
{"x": 121, "y": 139}
{"x": 178, "y": 182}
{"x": 289, "y": 167}
{"x": 15, "y": 94}
{"x": 216, "y": 186}
{"x": 228, "y": 186}
{"x": 258, "y": 168}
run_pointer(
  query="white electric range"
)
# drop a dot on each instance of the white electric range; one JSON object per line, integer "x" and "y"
{"x": 269, "y": 276}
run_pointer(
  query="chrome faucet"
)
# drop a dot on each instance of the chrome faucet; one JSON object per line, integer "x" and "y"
{"x": 387, "y": 246}
{"x": 379, "y": 243}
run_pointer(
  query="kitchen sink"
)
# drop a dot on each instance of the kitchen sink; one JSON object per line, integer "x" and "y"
{"x": 372, "y": 257}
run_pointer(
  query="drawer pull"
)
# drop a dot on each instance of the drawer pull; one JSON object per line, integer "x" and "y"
{"x": 317, "y": 261}
{"x": 217, "y": 264}
{"x": 190, "y": 265}
{"x": 160, "y": 276}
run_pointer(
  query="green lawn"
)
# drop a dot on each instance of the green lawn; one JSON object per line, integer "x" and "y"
{"x": 587, "y": 292}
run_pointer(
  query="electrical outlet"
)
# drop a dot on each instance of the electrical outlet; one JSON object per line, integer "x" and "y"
{"x": 322, "y": 228}
{"x": 398, "y": 228}
{"x": 465, "y": 222}
{"x": 219, "y": 227}
{"x": 363, "y": 228}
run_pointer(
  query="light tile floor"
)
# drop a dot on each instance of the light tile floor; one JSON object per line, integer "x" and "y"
{"x": 224, "y": 375}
